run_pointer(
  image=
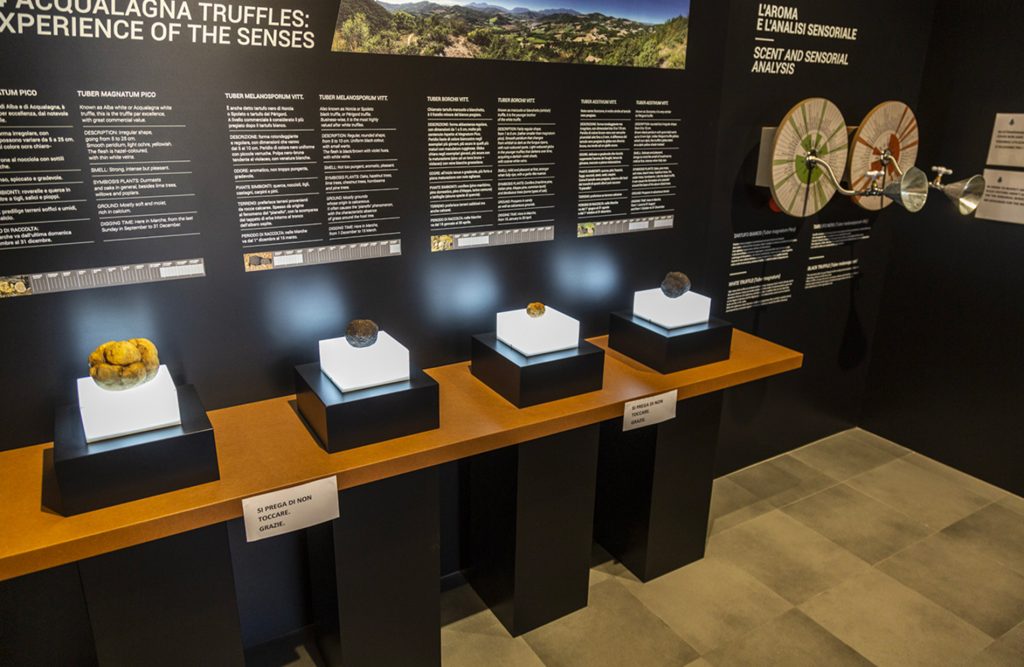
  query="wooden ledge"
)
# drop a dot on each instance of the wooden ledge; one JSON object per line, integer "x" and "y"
{"x": 265, "y": 446}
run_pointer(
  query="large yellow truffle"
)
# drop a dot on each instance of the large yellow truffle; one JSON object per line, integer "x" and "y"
{"x": 124, "y": 364}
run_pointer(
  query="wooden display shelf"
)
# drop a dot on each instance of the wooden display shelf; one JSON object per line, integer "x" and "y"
{"x": 264, "y": 446}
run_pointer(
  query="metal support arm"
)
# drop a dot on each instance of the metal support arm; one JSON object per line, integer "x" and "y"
{"x": 815, "y": 161}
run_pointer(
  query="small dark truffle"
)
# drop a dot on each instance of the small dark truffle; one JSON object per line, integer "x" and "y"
{"x": 361, "y": 333}
{"x": 535, "y": 309}
{"x": 675, "y": 284}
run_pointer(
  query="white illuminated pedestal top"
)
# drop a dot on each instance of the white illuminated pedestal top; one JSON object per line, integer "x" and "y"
{"x": 551, "y": 332}
{"x": 353, "y": 368}
{"x": 653, "y": 306}
{"x": 112, "y": 414}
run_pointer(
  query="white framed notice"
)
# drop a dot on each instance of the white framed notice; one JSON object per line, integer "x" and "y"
{"x": 290, "y": 509}
{"x": 1004, "y": 196}
{"x": 650, "y": 410}
{"x": 1006, "y": 148}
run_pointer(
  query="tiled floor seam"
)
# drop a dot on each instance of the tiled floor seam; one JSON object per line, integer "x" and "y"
{"x": 974, "y": 548}
{"x": 905, "y": 451}
{"x": 939, "y": 530}
{"x": 672, "y": 630}
{"x": 838, "y": 481}
{"x": 868, "y": 493}
{"x": 934, "y": 531}
{"x": 876, "y": 565}
{"x": 847, "y": 477}
{"x": 882, "y": 560}
{"x": 774, "y": 507}
{"x": 866, "y": 659}
{"x": 785, "y": 453}
{"x": 914, "y": 543}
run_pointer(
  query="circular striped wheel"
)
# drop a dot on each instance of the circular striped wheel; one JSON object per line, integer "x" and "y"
{"x": 815, "y": 126}
{"x": 889, "y": 126}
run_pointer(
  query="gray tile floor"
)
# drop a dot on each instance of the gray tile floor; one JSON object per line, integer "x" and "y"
{"x": 849, "y": 551}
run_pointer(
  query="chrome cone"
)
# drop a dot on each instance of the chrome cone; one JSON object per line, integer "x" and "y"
{"x": 966, "y": 194}
{"x": 910, "y": 191}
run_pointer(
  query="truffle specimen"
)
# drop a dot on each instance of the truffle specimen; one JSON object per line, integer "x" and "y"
{"x": 13, "y": 286}
{"x": 535, "y": 309}
{"x": 675, "y": 284}
{"x": 124, "y": 364}
{"x": 361, "y": 333}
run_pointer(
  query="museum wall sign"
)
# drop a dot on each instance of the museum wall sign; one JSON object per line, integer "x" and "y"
{"x": 239, "y": 181}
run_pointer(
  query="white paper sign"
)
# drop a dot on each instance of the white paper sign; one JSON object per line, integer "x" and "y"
{"x": 1007, "y": 145}
{"x": 294, "y": 508}
{"x": 651, "y": 410}
{"x": 1004, "y": 196}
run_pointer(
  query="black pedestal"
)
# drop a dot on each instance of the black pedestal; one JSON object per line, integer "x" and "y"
{"x": 44, "y": 620}
{"x": 169, "y": 602}
{"x": 375, "y": 575}
{"x": 525, "y": 381}
{"x": 343, "y": 420}
{"x": 531, "y": 519}
{"x": 133, "y": 466}
{"x": 669, "y": 350}
{"x": 654, "y": 488}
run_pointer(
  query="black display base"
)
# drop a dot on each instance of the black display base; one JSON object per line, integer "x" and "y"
{"x": 109, "y": 472}
{"x": 375, "y": 587}
{"x": 343, "y": 420}
{"x": 168, "y": 602}
{"x": 44, "y": 620}
{"x": 669, "y": 350}
{"x": 525, "y": 381}
{"x": 654, "y": 488}
{"x": 531, "y": 521}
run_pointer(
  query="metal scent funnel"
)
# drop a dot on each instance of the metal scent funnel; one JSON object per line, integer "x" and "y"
{"x": 966, "y": 194}
{"x": 910, "y": 191}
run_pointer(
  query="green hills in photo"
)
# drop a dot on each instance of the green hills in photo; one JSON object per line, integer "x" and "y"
{"x": 481, "y": 30}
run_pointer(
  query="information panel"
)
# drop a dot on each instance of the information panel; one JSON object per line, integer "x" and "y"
{"x": 628, "y": 159}
{"x": 160, "y": 160}
{"x": 92, "y": 167}
{"x": 491, "y": 175}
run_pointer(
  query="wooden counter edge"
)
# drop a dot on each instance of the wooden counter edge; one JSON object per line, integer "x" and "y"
{"x": 190, "y": 518}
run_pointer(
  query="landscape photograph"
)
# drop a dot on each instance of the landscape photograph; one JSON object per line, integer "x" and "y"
{"x": 626, "y": 33}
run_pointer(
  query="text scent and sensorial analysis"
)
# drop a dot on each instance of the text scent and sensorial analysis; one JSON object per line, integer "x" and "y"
{"x": 779, "y": 23}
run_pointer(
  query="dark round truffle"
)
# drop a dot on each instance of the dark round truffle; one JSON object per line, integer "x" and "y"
{"x": 361, "y": 333}
{"x": 675, "y": 284}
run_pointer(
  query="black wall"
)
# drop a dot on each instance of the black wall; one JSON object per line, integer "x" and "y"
{"x": 947, "y": 373}
{"x": 237, "y": 336}
{"x": 832, "y": 326}
{"x": 946, "y": 363}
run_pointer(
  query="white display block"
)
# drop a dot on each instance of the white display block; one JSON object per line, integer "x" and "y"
{"x": 653, "y": 306}
{"x": 112, "y": 414}
{"x": 551, "y": 332}
{"x": 353, "y": 368}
